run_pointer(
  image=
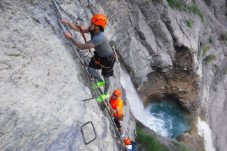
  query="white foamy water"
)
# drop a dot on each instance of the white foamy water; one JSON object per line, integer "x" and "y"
{"x": 205, "y": 131}
{"x": 137, "y": 108}
{"x": 158, "y": 125}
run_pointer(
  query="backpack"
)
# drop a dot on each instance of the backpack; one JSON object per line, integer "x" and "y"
{"x": 133, "y": 146}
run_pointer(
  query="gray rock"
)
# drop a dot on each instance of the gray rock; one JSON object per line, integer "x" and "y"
{"x": 42, "y": 83}
{"x": 173, "y": 40}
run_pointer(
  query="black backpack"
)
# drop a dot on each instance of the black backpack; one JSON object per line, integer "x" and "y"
{"x": 133, "y": 146}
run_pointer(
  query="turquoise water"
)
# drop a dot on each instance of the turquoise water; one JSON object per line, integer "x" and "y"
{"x": 174, "y": 120}
{"x": 165, "y": 118}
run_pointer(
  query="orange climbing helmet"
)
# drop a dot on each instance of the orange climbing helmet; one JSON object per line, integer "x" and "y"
{"x": 117, "y": 92}
{"x": 99, "y": 20}
{"x": 127, "y": 141}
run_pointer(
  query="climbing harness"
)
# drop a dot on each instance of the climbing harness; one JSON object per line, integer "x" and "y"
{"x": 103, "y": 105}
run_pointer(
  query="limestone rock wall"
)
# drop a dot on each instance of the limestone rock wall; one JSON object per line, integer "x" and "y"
{"x": 175, "y": 51}
{"x": 153, "y": 38}
{"x": 166, "y": 51}
{"x": 43, "y": 85}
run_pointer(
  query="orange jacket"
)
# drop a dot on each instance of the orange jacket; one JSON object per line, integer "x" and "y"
{"x": 117, "y": 103}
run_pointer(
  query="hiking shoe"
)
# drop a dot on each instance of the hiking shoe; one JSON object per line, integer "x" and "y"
{"x": 98, "y": 84}
{"x": 102, "y": 97}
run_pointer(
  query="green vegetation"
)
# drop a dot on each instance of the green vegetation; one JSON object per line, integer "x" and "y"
{"x": 149, "y": 142}
{"x": 195, "y": 10}
{"x": 189, "y": 23}
{"x": 181, "y": 5}
{"x": 203, "y": 50}
{"x": 209, "y": 58}
{"x": 223, "y": 37}
{"x": 177, "y": 4}
{"x": 181, "y": 147}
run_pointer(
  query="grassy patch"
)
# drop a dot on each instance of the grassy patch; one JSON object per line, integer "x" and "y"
{"x": 203, "y": 50}
{"x": 181, "y": 147}
{"x": 189, "y": 23}
{"x": 148, "y": 142}
{"x": 177, "y": 4}
{"x": 209, "y": 58}
{"x": 195, "y": 10}
{"x": 181, "y": 5}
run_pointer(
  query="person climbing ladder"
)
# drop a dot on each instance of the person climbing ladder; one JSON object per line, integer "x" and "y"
{"x": 103, "y": 58}
{"x": 129, "y": 145}
{"x": 116, "y": 105}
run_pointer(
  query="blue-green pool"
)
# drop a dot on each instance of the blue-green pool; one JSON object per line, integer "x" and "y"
{"x": 168, "y": 119}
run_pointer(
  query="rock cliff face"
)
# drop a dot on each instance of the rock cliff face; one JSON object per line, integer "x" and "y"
{"x": 43, "y": 85}
{"x": 213, "y": 83}
{"x": 168, "y": 49}
{"x": 159, "y": 48}
{"x": 176, "y": 48}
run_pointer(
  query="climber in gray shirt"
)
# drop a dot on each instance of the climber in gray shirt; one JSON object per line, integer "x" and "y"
{"x": 103, "y": 58}
{"x": 102, "y": 46}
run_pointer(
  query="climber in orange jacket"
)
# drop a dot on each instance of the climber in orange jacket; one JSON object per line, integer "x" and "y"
{"x": 117, "y": 108}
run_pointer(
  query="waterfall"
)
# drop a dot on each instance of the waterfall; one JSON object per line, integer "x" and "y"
{"x": 205, "y": 131}
{"x": 137, "y": 108}
{"x": 144, "y": 116}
